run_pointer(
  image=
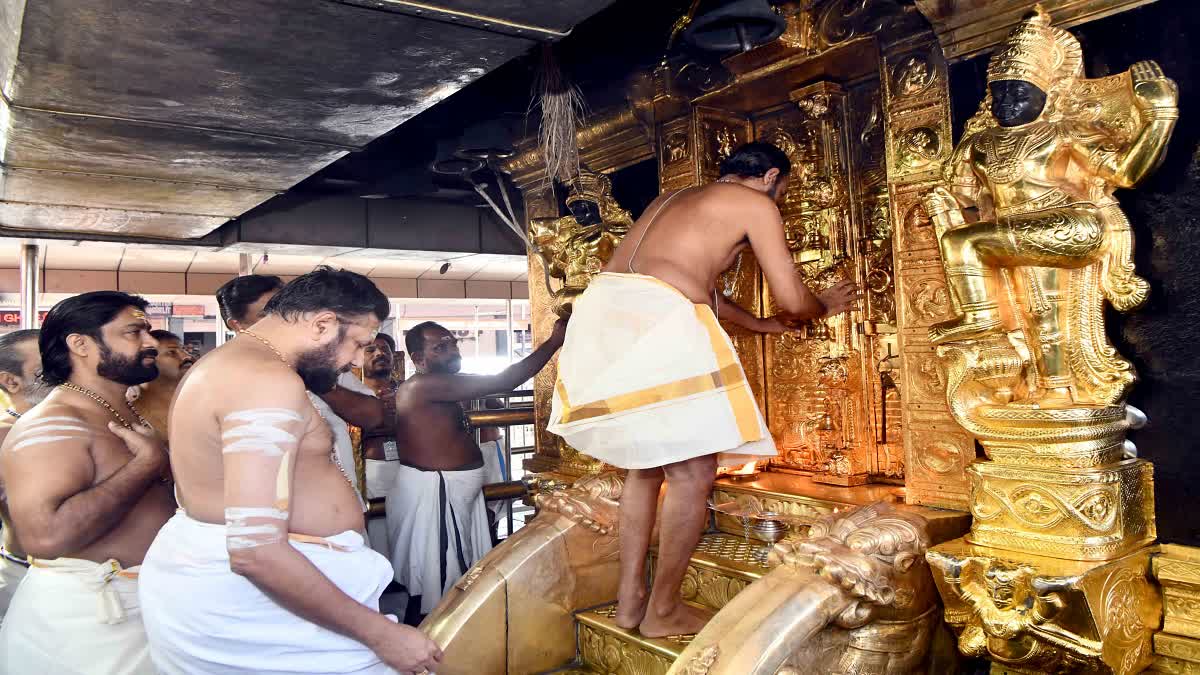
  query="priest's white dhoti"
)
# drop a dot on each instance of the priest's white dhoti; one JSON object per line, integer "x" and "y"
{"x": 202, "y": 618}
{"x": 75, "y": 617}
{"x": 438, "y": 527}
{"x": 647, "y": 378}
{"x": 12, "y": 570}
{"x": 381, "y": 475}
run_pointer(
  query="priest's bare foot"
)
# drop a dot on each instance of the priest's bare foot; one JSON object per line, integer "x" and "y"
{"x": 630, "y": 610}
{"x": 682, "y": 620}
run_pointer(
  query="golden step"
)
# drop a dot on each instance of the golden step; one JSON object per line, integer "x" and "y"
{"x": 607, "y": 649}
{"x": 722, "y": 565}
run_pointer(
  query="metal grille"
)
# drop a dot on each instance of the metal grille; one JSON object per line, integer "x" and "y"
{"x": 735, "y": 549}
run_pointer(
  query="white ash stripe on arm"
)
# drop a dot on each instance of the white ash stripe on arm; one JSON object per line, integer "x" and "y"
{"x": 51, "y": 430}
{"x": 259, "y": 434}
{"x": 258, "y": 444}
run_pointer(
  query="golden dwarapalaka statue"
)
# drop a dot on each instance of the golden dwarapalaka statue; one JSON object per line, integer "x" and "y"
{"x": 1040, "y": 162}
{"x": 1062, "y": 518}
{"x": 575, "y": 247}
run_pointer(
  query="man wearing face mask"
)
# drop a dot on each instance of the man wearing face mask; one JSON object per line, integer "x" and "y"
{"x": 20, "y": 367}
{"x": 83, "y": 473}
{"x": 154, "y": 397}
{"x": 437, "y": 521}
{"x": 265, "y": 568}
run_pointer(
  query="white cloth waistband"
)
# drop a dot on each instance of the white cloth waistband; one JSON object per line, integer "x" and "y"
{"x": 98, "y": 577}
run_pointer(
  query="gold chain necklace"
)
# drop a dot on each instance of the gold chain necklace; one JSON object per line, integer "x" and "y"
{"x": 332, "y": 451}
{"x": 100, "y": 399}
{"x": 265, "y": 341}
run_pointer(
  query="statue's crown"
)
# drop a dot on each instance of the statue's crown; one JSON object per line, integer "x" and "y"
{"x": 589, "y": 186}
{"x": 1038, "y": 53}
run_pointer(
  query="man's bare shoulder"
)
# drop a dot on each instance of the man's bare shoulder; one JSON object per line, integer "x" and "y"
{"x": 417, "y": 389}
{"x": 54, "y": 420}
{"x": 229, "y": 378}
{"x": 735, "y": 196}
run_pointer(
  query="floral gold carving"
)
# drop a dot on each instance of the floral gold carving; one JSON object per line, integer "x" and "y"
{"x": 617, "y": 657}
{"x": 919, "y": 148}
{"x": 710, "y": 587}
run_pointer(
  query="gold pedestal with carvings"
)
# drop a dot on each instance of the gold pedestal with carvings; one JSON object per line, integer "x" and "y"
{"x": 1033, "y": 614}
{"x": 1092, "y": 514}
{"x": 1177, "y": 645}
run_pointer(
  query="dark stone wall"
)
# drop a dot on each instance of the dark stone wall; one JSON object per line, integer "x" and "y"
{"x": 1163, "y": 338}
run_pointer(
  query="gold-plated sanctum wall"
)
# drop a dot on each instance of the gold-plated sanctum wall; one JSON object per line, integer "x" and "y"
{"x": 1054, "y": 575}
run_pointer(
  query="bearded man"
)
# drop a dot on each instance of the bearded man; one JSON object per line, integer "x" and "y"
{"x": 20, "y": 371}
{"x": 242, "y": 302}
{"x": 84, "y": 479}
{"x": 154, "y": 397}
{"x": 265, "y": 568}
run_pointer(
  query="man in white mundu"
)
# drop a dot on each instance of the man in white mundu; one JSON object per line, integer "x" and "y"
{"x": 20, "y": 378}
{"x": 265, "y": 568}
{"x": 84, "y": 477}
{"x": 648, "y": 381}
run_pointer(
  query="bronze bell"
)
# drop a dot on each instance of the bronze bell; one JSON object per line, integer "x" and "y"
{"x": 736, "y": 25}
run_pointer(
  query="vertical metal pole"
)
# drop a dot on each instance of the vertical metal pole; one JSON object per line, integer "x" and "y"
{"x": 244, "y": 268}
{"x": 508, "y": 430}
{"x": 511, "y": 337}
{"x": 29, "y": 285}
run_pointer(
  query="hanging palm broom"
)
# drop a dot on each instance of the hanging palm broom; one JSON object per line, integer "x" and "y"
{"x": 562, "y": 107}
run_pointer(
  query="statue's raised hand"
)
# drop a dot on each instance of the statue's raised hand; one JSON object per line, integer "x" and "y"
{"x": 1152, "y": 89}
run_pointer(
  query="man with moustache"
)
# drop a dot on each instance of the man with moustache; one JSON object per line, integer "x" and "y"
{"x": 20, "y": 368}
{"x": 437, "y": 521}
{"x": 83, "y": 474}
{"x": 265, "y": 569}
{"x": 379, "y": 445}
{"x": 154, "y": 397}
{"x": 242, "y": 301}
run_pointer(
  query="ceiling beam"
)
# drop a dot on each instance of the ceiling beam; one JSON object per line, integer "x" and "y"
{"x": 491, "y": 24}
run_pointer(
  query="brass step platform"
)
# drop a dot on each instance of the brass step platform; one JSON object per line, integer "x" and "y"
{"x": 606, "y": 648}
{"x": 721, "y": 567}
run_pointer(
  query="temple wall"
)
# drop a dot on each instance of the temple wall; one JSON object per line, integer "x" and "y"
{"x": 1161, "y": 338}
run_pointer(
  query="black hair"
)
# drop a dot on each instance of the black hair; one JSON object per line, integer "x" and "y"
{"x": 345, "y": 293}
{"x": 391, "y": 341}
{"x": 160, "y": 335}
{"x": 10, "y": 359}
{"x": 414, "y": 338}
{"x": 236, "y": 295}
{"x": 755, "y": 159}
{"x": 84, "y": 314}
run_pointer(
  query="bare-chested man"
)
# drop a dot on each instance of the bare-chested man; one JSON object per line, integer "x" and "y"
{"x": 20, "y": 377}
{"x": 379, "y": 445}
{"x": 437, "y": 521}
{"x": 649, "y": 381}
{"x": 84, "y": 480}
{"x": 242, "y": 302}
{"x": 265, "y": 569}
{"x": 154, "y": 397}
